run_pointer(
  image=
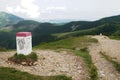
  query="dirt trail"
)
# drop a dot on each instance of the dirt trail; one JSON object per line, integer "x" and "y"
{"x": 106, "y": 70}
{"x": 51, "y": 63}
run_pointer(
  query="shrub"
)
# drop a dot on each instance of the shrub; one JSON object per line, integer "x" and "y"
{"x": 24, "y": 59}
{"x": 85, "y": 49}
{"x": 33, "y": 56}
{"x": 19, "y": 56}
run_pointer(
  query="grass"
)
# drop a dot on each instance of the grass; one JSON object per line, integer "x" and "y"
{"x": 2, "y": 49}
{"x": 92, "y": 70}
{"x": 13, "y": 74}
{"x": 108, "y": 58}
{"x": 69, "y": 43}
{"x": 115, "y": 37}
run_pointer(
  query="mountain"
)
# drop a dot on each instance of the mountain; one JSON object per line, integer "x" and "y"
{"x": 108, "y": 26}
{"x": 46, "y": 32}
{"x": 60, "y": 21}
{"x": 7, "y": 19}
{"x": 25, "y": 25}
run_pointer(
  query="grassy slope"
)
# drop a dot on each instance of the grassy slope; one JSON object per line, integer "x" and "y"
{"x": 106, "y": 29}
{"x": 69, "y": 43}
{"x": 72, "y": 44}
{"x": 13, "y": 74}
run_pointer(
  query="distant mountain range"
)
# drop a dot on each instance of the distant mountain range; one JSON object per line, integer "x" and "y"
{"x": 7, "y": 19}
{"x": 60, "y": 21}
{"x": 43, "y": 32}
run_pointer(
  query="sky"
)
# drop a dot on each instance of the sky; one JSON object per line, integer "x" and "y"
{"x": 88, "y": 10}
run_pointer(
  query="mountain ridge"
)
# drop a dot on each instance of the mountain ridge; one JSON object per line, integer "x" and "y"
{"x": 7, "y": 19}
{"x": 44, "y": 32}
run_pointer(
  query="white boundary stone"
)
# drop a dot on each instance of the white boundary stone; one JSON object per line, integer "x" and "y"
{"x": 24, "y": 43}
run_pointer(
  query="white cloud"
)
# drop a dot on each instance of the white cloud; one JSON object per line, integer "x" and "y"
{"x": 27, "y": 8}
{"x": 10, "y": 9}
{"x": 31, "y": 9}
{"x": 56, "y": 8}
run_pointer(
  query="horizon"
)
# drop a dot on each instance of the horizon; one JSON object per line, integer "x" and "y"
{"x": 59, "y": 20}
{"x": 74, "y": 10}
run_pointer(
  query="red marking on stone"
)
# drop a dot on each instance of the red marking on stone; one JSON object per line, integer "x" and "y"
{"x": 23, "y": 34}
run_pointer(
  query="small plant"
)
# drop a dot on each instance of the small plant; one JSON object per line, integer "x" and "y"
{"x": 85, "y": 49}
{"x": 24, "y": 59}
{"x": 19, "y": 56}
{"x": 33, "y": 56}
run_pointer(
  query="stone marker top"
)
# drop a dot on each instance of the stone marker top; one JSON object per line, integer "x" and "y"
{"x": 23, "y": 34}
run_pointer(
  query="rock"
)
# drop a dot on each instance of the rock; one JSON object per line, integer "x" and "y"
{"x": 23, "y": 63}
{"x": 79, "y": 71}
{"x": 30, "y": 63}
{"x": 77, "y": 48}
{"x": 64, "y": 69}
{"x": 35, "y": 63}
{"x": 42, "y": 57}
{"x": 101, "y": 73}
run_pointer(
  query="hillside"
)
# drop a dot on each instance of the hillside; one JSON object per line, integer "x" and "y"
{"x": 28, "y": 25}
{"x": 7, "y": 19}
{"x": 46, "y": 32}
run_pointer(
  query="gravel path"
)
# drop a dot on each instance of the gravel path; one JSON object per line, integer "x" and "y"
{"x": 106, "y": 70}
{"x": 110, "y": 47}
{"x": 51, "y": 63}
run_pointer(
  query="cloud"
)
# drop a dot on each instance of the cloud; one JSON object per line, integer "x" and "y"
{"x": 10, "y": 9}
{"x": 31, "y": 9}
{"x": 53, "y": 9}
{"x": 56, "y": 8}
{"x": 26, "y": 7}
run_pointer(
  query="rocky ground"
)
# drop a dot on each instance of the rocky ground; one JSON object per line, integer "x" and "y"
{"x": 51, "y": 63}
{"x": 106, "y": 71}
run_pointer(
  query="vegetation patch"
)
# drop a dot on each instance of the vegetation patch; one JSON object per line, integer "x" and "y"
{"x": 13, "y": 74}
{"x": 2, "y": 49}
{"x": 69, "y": 43}
{"x": 27, "y": 60}
{"x": 108, "y": 58}
{"x": 115, "y": 37}
{"x": 92, "y": 70}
